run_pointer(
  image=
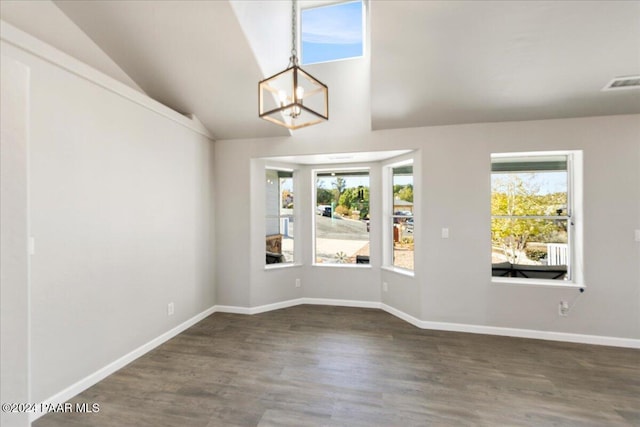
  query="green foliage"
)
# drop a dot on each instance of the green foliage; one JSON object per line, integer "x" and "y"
{"x": 324, "y": 196}
{"x": 512, "y": 195}
{"x": 403, "y": 192}
{"x": 364, "y": 211}
{"x": 536, "y": 254}
{"x": 350, "y": 199}
{"x": 338, "y": 188}
{"x": 342, "y": 210}
{"x": 287, "y": 199}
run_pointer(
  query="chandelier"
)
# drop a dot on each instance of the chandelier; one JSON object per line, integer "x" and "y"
{"x": 293, "y": 98}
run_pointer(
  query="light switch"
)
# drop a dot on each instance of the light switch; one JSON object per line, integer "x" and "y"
{"x": 637, "y": 235}
{"x": 445, "y": 233}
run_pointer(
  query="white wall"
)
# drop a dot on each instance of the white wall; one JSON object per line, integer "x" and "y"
{"x": 276, "y": 285}
{"x": 454, "y": 283}
{"x": 121, "y": 209}
{"x": 14, "y": 258}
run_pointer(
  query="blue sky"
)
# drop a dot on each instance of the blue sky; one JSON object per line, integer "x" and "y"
{"x": 350, "y": 182}
{"x": 331, "y": 32}
{"x": 547, "y": 182}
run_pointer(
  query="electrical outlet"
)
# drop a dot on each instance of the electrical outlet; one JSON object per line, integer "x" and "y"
{"x": 563, "y": 308}
{"x": 385, "y": 286}
{"x": 445, "y": 233}
{"x": 298, "y": 283}
{"x": 170, "y": 309}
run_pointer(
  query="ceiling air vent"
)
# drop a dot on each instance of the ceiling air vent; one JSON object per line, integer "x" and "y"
{"x": 628, "y": 82}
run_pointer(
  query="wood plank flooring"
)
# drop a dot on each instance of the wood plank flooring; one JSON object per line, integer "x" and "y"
{"x": 338, "y": 366}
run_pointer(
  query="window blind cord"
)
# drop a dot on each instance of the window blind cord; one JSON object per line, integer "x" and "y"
{"x": 575, "y": 299}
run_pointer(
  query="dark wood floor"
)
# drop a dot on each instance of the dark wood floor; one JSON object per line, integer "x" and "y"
{"x": 338, "y": 366}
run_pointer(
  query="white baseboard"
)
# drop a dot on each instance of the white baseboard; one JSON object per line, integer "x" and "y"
{"x": 444, "y": 326}
{"x": 104, "y": 372}
{"x": 293, "y": 302}
{"x": 402, "y": 315}
{"x": 231, "y": 309}
{"x": 275, "y": 306}
{"x": 258, "y": 309}
{"x": 532, "y": 334}
{"x": 340, "y": 302}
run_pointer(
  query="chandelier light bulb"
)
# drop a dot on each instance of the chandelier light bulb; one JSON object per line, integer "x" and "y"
{"x": 282, "y": 95}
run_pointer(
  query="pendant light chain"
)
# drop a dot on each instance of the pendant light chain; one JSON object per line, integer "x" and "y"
{"x": 293, "y": 98}
{"x": 294, "y": 17}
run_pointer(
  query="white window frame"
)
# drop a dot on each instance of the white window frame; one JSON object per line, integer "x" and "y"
{"x": 296, "y": 232}
{"x": 388, "y": 213}
{"x": 574, "y": 220}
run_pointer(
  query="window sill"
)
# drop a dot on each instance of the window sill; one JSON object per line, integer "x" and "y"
{"x": 337, "y": 265}
{"x": 281, "y": 266}
{"x": 536, "y": 282}
{"x": 400, "y": 271}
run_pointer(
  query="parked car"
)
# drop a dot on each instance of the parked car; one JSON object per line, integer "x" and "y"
{"x": 320, "y": 209}
{"x": 327, "y": 211}
{"x": 409, "y": 225}
{"x": 401, "y": 213}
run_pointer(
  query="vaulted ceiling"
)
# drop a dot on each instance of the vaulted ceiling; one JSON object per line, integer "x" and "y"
{"x": 428, "y": 63}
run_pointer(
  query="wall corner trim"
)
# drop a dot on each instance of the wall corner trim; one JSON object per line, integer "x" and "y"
{"x": 26, "y": 42}
{"x": 114, "y": 366}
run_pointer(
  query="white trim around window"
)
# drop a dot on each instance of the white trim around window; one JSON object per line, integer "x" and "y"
{"x": 389, "y": 216}
{"x": 572, "y": 214}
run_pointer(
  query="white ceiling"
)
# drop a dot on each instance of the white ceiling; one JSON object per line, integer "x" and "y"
{"x": 431, "y": 62}
{"x": 451, "y": 62}
{"x": 190, "y": 55}
{"x": 339, "y": 158}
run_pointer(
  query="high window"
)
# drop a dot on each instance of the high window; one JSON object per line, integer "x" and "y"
{"x": 333, "y": 32}
{"x": 279, "y": 216}
{"x": 534, "y": 216}
{"x": 342, "y": 217}
{"x": 401, "y": 216}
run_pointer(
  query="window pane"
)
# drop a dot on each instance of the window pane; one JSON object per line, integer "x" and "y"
{"x": 286, "y": 230}
{"x": 279, "y": 216}
{"x": 526, "y": 241}
{"x": 403, "y": 240}
{"x": 531, "y": 193}
{"x": 286, "y": 196}
{"x": 530, "y": 186}
{"x": 332, "y": 32}
{"x": 342, "y": 208}
{"x": 286, "y": 214}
